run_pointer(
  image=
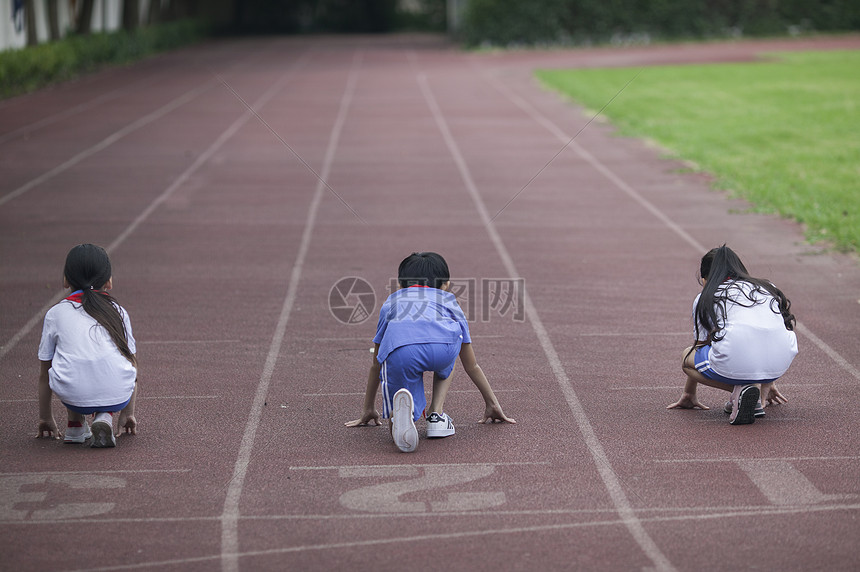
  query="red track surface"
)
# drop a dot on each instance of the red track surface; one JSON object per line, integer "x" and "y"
{"x": 226, "y": 244}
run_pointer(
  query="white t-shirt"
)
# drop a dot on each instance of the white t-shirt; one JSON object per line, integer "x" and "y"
{"x": 87, "y": 368}
{"x": 755, "y": 343}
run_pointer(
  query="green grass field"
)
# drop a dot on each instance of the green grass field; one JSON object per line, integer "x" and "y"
{"x": 784, "y": 132}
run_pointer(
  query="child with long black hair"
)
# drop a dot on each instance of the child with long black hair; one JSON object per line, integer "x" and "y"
{"x": 87, "y": 354}
{"x": 745, "y": 338}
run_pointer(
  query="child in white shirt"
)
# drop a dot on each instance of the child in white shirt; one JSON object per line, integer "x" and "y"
{"x": 745, "y": 338}
{"x": 87, "y": 355}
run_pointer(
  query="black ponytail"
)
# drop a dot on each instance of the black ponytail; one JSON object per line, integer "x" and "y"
{"x": 721, "y": 268}
{"x": 88, "y": 269}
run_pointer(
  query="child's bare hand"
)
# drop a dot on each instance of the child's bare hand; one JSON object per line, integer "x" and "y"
{"x": 127, "y": 423}
{"x": 687, "y": 402}
{"x": 770, "y": 395}
{"x": 494, "y": 414}
{"x": 365, "y": 419}
{"x": 48, "y": 428}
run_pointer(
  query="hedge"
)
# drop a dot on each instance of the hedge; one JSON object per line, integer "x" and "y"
{"x": 512, "y": 22}
{"x": 34, "y": 67}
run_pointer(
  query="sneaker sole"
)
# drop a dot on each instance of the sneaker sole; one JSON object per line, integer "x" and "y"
{"x": 747, "y": 401}
{"x": 102, "y": 435}
{"x": 77, "y": 440}
{"x": 759, "y": 411}
{"x": 404, "y": 430}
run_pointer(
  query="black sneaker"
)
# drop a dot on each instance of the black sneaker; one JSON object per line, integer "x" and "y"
{"x": 744, "y": 399}
{"x": 759, "y": 409}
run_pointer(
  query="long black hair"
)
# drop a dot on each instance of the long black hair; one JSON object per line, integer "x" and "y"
{"x": 423, "y": 269}
{"x": 88, "y": 269}
{"x": 721, "y": 270}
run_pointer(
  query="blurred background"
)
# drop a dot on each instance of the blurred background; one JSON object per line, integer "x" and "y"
{"x": 45, "y": 41}
{"x": 473, "y": 22}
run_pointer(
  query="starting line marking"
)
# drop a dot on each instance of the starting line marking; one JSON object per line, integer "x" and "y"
{"x": 694, "y": 513}
{"x": 765, "y": 459}
{"x": 182, "y": 342}
{"x": 361, "y": 393}
{"x": 359, "y": 467}
{"x": 681, "y": 386}
{"x": 139, "y": 397}
{"x": 733, "y": 514}
{"x": 106, "y": 472}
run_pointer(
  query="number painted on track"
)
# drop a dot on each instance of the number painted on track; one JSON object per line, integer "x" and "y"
{"x": 385, "y": 497}
{"x": 783, "y": 484}
{"x": 11, "y": 494}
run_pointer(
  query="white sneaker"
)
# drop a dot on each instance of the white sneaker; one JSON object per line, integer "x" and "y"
{"x": 439, "y": 425}
{"x": 103, "y": 431}
{"x": 402, "y": 426}
{"x": 77, "y": 434}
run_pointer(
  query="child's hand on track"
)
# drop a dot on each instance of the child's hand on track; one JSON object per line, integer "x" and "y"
{"x": 770, "y": 395}
{"x": 687, "y": 402}
{"x": 127, "y": 422}
{"x": 494, "y": 414}
{"x": 365, "y": 419}
{"x": 48, "y": 428}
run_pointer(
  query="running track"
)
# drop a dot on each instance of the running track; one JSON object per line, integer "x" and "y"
{"x": 235, "y": 183}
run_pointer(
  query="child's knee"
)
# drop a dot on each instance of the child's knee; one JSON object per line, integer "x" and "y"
{"x": 688, "y": 358}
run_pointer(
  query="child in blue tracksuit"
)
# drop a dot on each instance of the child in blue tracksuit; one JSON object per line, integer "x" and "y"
{"x": 421, "y": 328}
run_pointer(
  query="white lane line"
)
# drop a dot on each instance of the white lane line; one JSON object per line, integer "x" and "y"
{"x": 369, "y": 340}
{"x": 641, "y": 335}
{"x": 105, "y": 97}
{"x": 541, "y": 119}
{"x": 110, "y": 140}
{"x": 183, "y": 342}
{"x": 139, "y": 397}
{"x": 692, "y": 513}
{"x": 607, "y": 473}
{"x": 675, "y": 387}
{"x": 831, "y": 353}
{"x": 489, "y": 463}
{"x": 361, "y": 393}
{"x": 117, "y": 135}
{"x": 734, "y": 460}
{"x": 93, "y": 472}
{"x": 199, "y": 162}
{"x": 60, "y": 115}
{"x": 409, "y": 540}
{"x": 230, "y": 514}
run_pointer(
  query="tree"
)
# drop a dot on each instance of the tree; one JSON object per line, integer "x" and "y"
{"x": 53, "y": 20}
{"x": 154, "y": 15}
{"x": 30, "y": 17}
{"x": 130, "y": 15}
{"x": 85, "y": 17}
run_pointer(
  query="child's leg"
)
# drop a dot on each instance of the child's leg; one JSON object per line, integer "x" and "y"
{"x": 694, "y": 377}
{"x": 443, "y": 360}
{"x": 403, "y": 369}
{"x": 440, "y": 391}
{"x": 689, "y": 399}
{"x": 75, "y": 419}
{"x": 77, "y": 430}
